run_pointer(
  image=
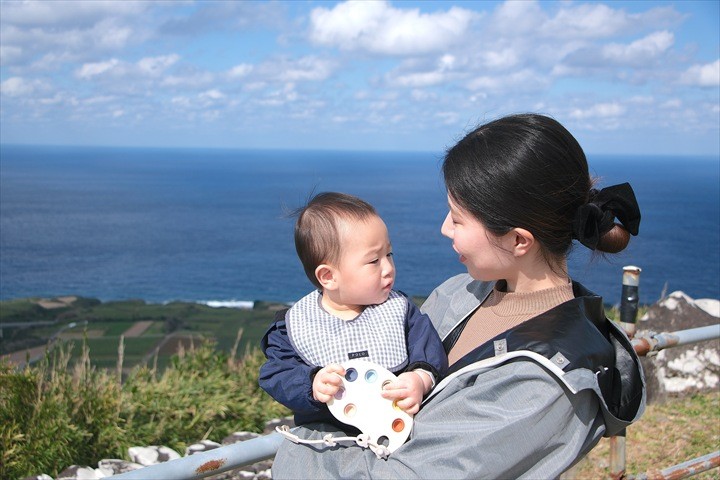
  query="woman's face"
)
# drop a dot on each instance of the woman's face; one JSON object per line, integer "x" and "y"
{"x": 482, "y": 253}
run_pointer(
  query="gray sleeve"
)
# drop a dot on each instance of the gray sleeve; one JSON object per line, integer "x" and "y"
{"x": 512, "y": 421}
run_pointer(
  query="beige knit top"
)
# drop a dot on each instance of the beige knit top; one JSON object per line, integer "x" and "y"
{"x": 504, "y": 310}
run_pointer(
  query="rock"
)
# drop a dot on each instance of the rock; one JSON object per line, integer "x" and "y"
{"x": 116, "y": 466}
{"x": 201, "y": 446}
{"x": 687, "y": 368}
{"x": 42, "y": 476}
{"x": 152, "y": 455}
{"x": 239, "y": 437}
{"x": 77, "y": 472}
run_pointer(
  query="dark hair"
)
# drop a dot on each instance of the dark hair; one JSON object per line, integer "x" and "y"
{"x": 317, "y": 236}
{"x": 525, "y": 171}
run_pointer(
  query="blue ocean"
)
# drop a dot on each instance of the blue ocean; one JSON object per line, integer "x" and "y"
{"x": 212, "y": 225}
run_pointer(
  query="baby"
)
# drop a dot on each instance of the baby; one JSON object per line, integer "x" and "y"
{"x": 354, "y": 313}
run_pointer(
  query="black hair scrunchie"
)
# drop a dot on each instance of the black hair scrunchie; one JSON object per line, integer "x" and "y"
{"x": 597, "y": 217}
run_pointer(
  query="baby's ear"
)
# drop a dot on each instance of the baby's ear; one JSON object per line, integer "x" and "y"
{"x": 325, "y": 274}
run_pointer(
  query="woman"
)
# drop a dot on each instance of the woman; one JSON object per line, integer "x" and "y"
{"x": 537, "y": 374}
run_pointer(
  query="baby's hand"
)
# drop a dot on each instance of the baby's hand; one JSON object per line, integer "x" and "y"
{"x": 327, "y": 382}
{"x": 408, "y": 390}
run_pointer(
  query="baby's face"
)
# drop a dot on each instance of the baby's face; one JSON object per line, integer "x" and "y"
{"x": 366, "y": 272}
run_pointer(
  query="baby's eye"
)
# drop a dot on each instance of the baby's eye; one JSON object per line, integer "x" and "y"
{"x": 390, "y": 254}
{"x": 374, "y": 261}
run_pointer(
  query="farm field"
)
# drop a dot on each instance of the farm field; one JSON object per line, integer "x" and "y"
{"x": 145, "y": 330}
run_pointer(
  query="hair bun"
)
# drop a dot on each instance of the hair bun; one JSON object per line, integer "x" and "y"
{"x": 595, "y": 219}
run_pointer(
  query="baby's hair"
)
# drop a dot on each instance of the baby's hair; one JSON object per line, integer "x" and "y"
{"x": 317, "y": 232}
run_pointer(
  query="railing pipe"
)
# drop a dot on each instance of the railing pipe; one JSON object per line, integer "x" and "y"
{"x": 211, "y": 462}
{"x": 682, "y": 470}
{"x": 654, "y": 342}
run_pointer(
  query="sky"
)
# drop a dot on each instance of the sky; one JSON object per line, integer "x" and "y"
{"x": 638, "y": 77}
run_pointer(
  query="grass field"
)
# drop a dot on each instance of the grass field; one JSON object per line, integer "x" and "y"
{"x": 681, "y": 429}
{"x": 101, "y": 326}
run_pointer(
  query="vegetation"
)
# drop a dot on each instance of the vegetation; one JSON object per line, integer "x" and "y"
{"x": 180, "y": 380}
{"x": 103, "y": 323}
{"x": 681, "y": 429}
{"x": 203, "y": 393}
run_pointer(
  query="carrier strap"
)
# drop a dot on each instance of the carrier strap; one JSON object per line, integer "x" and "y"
{"x": 362, "y": 440}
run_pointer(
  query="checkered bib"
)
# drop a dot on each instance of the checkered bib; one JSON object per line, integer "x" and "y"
{"x": 377, "y": 334}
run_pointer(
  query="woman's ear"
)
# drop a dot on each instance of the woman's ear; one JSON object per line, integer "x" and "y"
{"x": 325, "y": 274}
{"x": 523, "y": 241}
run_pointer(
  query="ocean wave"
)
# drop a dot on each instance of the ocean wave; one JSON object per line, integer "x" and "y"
{"x": 240, "y": 304}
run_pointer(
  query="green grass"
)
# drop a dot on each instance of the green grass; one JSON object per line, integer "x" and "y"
{"x": 681, "y": 429}
{"x": 203, "y": 393}
{"x": 114, "y": 318}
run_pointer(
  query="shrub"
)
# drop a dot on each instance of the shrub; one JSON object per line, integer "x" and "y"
{"x": 54, "y": 415}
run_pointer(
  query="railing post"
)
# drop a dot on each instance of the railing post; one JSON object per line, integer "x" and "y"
{"x": 617, "y": 456}
{"x": 630, "y": 298}
{"x": 628, "y": 318}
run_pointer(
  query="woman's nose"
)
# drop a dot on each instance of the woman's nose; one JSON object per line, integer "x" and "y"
{"x": 446, "y": 228}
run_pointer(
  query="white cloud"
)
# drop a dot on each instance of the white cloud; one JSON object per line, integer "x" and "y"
{"x": 10, "y": 54}
{"x": 419, "y": 79}
{"x": 640, "y": 51}
{"x": 148, "y": 67}
{"x": 22, "y": 87}
{"x": 673, "y": 103}
{"x": 527, "y": 79}
{"x": 90, "y": 70}
{"x": 597, "y": 20}
{"x": 587, "y": 21}
{"x": 213, "y": 94}
{"x": 517, "y": 17}
{"x": 181, "y": 101}
{"x": 280, "y": 97}
{"x": 448, "y": 118}
{"x": 99, "y": 99}
{"x": 599, "y": 110}
{"x": 377, "y": 27}
{"x": 240, "y": 70}
{"x": 192, "y": 79}
{"x": 16, "y": 87}
{"x": 422, "y": 95}
{"x": 308, "y": 68}
{"x": 66, "y": 13}
{"x": 641, "y": 100}
{"x": 707, "y": 75}
{"x": 157, "y": 65}
{"x": 417, "y": 74}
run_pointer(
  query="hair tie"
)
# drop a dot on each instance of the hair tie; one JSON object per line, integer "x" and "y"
{"x": 597, "y": 216}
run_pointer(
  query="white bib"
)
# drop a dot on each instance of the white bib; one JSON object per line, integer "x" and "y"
{"x": 377, "y": 334}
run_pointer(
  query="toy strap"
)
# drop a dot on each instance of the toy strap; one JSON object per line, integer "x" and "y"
{"x": 362, "y": 440}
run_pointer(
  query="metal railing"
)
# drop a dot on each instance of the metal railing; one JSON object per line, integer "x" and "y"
{"x": 645, "y": 345}
{"x": 211, "y": 462}
{"x": 237, "y": 455}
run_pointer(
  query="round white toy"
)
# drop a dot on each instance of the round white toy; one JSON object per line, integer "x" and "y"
{"x": 359, "y": 403}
